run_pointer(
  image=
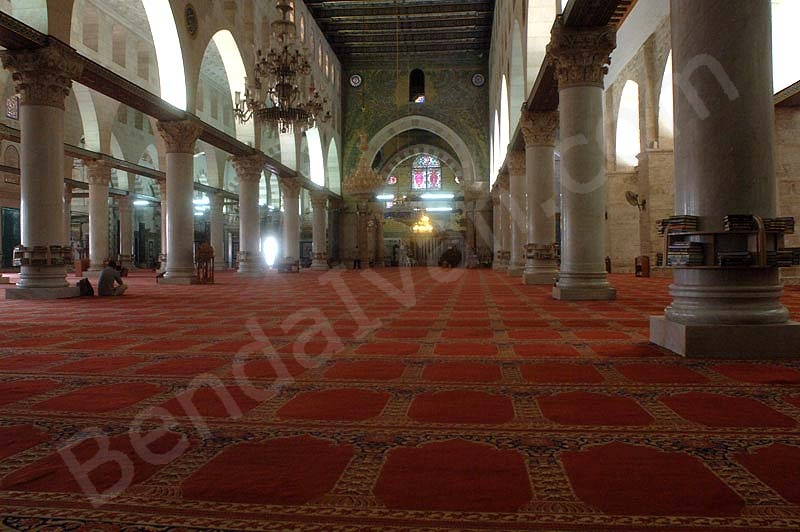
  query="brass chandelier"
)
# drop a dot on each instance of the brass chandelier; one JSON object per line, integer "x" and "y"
{"x": 282, "y": 93}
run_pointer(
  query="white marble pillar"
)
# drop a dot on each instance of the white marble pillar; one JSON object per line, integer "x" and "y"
{"x": 43, "y": 79}
{"x": 180, "y": 137}
{"x": 503, "y": 222}
{"x": 99, "y": 175}
{"x": 290, "y": 188}
{"x": 724, "y": 164}
{"x": 581, "y": 56}
{"x": 67, "y": 213}
{"x": 162, "y": 257}
{"x": 517, "y": 208}
{"x": 125, "y": 209}
{"x": 248, "y": 172}
{"x": 319, "y": 205}
{"x": 539, "y": 132}
{"x": 497, "y": 220}
{"x": 217, "y": 216}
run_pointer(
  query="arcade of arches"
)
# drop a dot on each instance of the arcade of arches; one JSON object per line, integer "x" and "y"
{"x": 536, "y": 270}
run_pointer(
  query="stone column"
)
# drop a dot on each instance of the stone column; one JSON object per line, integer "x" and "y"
{"x": 291, "y": 217}
{"x": 99, "y": 175}
{"x": 497, "y": 239}
{"x": 504, "y": 223}
{"x": 43, "y": 79}
{"x": 380, "y": 246}
{"x": 724, "y": 164}
{"x": 180, "y": 137}
{"x": 539, "y": 132}
{"x": 162, "y": 257}
{"x": 218, "y": 230}
{"x": 125, "y": 206}
{"x": 517, "y": 208}
{"x": 581, "y": 56}
{"x": 67, "y": 213}
{"x": 248, "y": 172}
{"x": 319, "y": 205}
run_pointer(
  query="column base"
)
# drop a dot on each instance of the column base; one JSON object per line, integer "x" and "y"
{"x": 727, "y": 341}
{"x": 581, "y": 293}
{"x": 65, "y": 292}
{"x": 183, "y": 281}
{"x": 515, "y": 270}
{"x": 319, "y": 265}
{"x": 539, "y": 277}
{"x": 126, "y": 261}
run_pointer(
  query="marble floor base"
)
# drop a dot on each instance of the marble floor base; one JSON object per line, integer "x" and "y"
{"x": 584, "y": 294}
{"x": 65, "y": 292}
{"x": 726, "y": 341}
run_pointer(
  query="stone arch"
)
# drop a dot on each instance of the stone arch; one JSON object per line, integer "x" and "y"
{"x": 666, "y": 118}
{"x": 91, "y": 125}
{"x": 628, "y": 128}
{"x": 169, "y": 52}
{"x": 235, "y": 72}
{"x": 445, "y": 157}
{"x": 401, "y": 125}
{"x": 541, "y": 14}
{"x": 517, "y": 78}
{"x": 333, "y": 165}
{"x": 316, "y": 162}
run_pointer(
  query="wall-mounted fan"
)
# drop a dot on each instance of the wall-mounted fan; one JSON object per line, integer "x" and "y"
{"x": 633, "y": 199}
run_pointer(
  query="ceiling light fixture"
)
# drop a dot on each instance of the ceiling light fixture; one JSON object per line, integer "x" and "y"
{"x": 282, "y": 93}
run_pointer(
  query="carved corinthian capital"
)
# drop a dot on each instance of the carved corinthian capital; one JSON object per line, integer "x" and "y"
{"x": 249, "y": 167}
{"x": 319, "y": 199}
{"x": 516, "y": 163}
{"x": 179, "y": 135}
{"x": 581, "y": 55}
{"x": 98, "y": 172}
{"x": 43, "y": 76}
{"x": 539, "y": 128}
{"x": 290, "y": 186}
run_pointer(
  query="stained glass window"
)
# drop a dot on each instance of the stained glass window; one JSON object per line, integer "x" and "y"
{"x": 426, "y": 173}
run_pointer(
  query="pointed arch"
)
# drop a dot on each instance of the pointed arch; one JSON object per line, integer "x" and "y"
{"x": 333, "y": 166}
{"x": 169, "y": 54}
{"x": 628, "y": 132}
{"x": 666, "y": 117}
{"x": 401, "y": 125}
{"x": 91, "y": 126}
{"x": 517, "y": 78}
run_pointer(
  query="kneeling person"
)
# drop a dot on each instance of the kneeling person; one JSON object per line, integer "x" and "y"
{"x": 109, "y": 276}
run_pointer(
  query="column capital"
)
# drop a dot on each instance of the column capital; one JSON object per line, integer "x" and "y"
{"x": 290, "y": 186}
{"x": 217, "y": 201}
{"x": 581, "y": 55}
{"x": 179, "y": 135}
{"x": 124, "y": 203}
{"x": 319, "y": 199}
{"x": 98, "y": 172}
{"x": 539, "y": 128}
{"x": 516, "y": 163}
{"x": 249, "y": 167}
{"x": 43, "y": 76}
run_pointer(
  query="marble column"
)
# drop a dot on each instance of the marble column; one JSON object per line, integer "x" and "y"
{"x": 319, "y": 205}
{"x": 724, "y": 164}
{"x": 162, "y": 257}
{"x": 539, "y": 131}
{"x": 517, "y": 208}
{"x": 580, "y": 57}
{"x": 218, "y": 230}
{"x": 497, "y": 220}
{"x": 503, "y": 228}
{"x": 43, "y": 78}
{"x": 180, "y": 137}
{"x": 248, "y": 172}
{"x": 290, "y": 188}
{"x": 125, "y": 207}
{"x": 99, "y": 175}
{"x": 67, "y": 213}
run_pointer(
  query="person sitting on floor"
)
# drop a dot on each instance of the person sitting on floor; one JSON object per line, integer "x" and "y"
{"x": 109, "y": 276}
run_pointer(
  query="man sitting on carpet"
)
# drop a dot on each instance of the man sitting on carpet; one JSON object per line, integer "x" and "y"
{"x": 105, "y": 284}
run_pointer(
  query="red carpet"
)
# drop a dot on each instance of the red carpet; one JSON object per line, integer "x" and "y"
{"x": 485, "y": 405}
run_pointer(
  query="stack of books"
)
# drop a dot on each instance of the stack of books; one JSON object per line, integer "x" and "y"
{"x": 734, "y": 258}
{"x": 783, "y": 225}
{"x": 686, "y": 254}
{"x": 677, "y": 224}
{"x": 740, "y": 222}
{"x": 783, "y": 258}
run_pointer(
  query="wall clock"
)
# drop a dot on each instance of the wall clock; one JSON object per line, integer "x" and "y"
{"x": 355, "y": 80}
{"x": 478, "y": 80}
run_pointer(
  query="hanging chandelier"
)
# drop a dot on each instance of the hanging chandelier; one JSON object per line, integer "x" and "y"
{"x": 282, "y": 92}
{"x": 423, "y": 225}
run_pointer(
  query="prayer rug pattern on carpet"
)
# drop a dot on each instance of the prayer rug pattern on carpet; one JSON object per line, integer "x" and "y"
{"x": 478, "y": 404}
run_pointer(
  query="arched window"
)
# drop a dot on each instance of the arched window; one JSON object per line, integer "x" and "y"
{"x": 416, "y": 86}
{"x": 426, "y": 173}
